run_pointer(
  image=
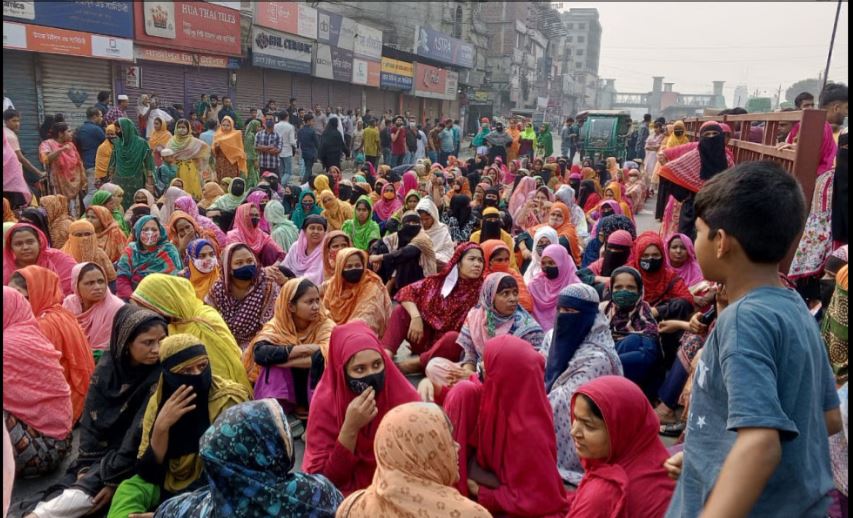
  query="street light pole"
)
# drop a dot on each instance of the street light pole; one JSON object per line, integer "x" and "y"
{"x": 831, "y": 45}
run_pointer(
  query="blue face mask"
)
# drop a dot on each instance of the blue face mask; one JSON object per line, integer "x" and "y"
{"x": 245, "y": 273}
{"x": 625, "y": 299}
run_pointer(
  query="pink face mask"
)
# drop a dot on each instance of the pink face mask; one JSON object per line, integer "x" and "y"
{"x": 206, "y": 265}
{"x": 149, "y": 237}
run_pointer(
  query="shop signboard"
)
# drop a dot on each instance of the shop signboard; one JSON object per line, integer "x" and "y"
{"x": 367, "y": 43}
{"x": 192, "y": 26}
{"x": 430, "y": 82}
{"x": 336, "y": 30}
{"x": 365, "y": 72}
{"x": 290, "y": 17}
{"x": 108, "y": 18}
{"x": 51, "y": 40}
{"x": 396, "y": 75}
{"x": 333, "y": 63}
{"x": 441, "y": 47}
{"x": 273, "y": 49}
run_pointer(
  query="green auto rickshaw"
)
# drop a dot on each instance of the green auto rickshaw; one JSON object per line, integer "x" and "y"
{"x": 603, "y": 134}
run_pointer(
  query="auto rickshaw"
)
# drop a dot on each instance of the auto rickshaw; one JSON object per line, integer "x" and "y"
{"x": 603, "y": 134}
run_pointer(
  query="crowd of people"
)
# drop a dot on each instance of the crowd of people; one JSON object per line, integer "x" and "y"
{"x": 483, "y": 337}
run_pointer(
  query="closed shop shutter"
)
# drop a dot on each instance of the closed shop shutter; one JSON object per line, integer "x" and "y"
{"x": 392, "y": 101}
{"x": 277, "y": 85}
{"x": 339, "y": 94}
{"x": 162, "y": 79}
{"x": 211, "y": 81}
{"x": 250, "y": 89}
{"x": 19, "y": 82}
{"x": 302, "y": 91}
{"x": 355, "y": 98}
{"x": 433, "y": 109}
{"x": 376, "y": 101}
{"x": 70, "y": 85}
{"x": 412, "y": 105}
{"x": 320, "y": 92}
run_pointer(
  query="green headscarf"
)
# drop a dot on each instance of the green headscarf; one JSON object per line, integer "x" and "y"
{"x": 362, "y": 235}
{"x": 249, "y": 134}
{"x": 228, "y": 201}
{"x": 100, "y": 199}
{"x": 546, "y": 141}
{"x": 298, "y": 216}
{"x": 480, "y": 138}
{"x": 131, "y": 160}
{"x": 528, "y": 134}
{"x": 284, "y": 232}
{"x": 399, "y": 214}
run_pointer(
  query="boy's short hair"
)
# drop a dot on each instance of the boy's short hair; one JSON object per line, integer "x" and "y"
{"x": 803, "y": 96}
{"x": 211, "y": 124}
{"x": 759, "y": 204}
{"x": 10, "y": 114}
{"x": 833, "y": 92}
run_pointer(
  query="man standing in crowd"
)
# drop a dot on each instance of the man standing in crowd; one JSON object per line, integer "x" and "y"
{"x": 268, "y": 144}
{"x": 433, "y": 142}
{"x": 398, "y": 142}
{"x": 411, "y": 142}
{"x": 642, "y": 135}
{"x": 385, "y": 140}
{"x": 118, "y": 111}
{"x": 804, "y": 101}
{"x": 309, "y": 143}
{"x": 202, "y": 107}
{"x": 320, "y": 119}
{"x": 447, "y": 145}
{"x": 349, "y": 127}
{"x": 87, "y": 138}
{"x": 271, "y": 108}
{"x": 32, "y": 174}
{"x": 371, "y": 143}
{"x": 287, "y": 133}
{"x": 293, "y": 112}
{"x": 214, "y": 109}
{"x": 498, "y": 141}
{"x": 103, "y": 103}
{"x": 228, "y": 111}
{"x": 210, "y": 130}
{"x": 457, "y": 138}
{"x": 833, "y": 99}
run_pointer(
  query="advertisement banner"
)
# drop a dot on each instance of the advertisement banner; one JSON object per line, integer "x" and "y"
{"x": 451, "y": 86}
{"x": 110, "y": 18}
{"x": 51, "y": 40}
{"x": 365, "y": 72}
{"x": 441, "y": 47}
{"x": 335, "y": 30}
{"x": 368, "y": 42}
{"x": 180, "y": 57}
{"x": 430, "y": 82}
{"x": 396, "y": 75}
{"x": 192, "y": 26}
{"x": 132, "y": 77}
{"x": 273, "y": 49}
{"x": 290, "y": 17}
{"x": 333, "y": 63}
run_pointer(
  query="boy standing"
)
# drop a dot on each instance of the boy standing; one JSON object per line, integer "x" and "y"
{"x": 764, "y": 399}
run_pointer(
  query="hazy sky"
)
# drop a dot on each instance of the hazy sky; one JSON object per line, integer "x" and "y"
{"x": 760, "y": 44}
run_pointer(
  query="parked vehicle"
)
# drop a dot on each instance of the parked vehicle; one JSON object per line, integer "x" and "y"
{"x": 604, "y": 133}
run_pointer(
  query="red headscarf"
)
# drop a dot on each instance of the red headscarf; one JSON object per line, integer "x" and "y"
{"x": 50, "y": 258}
{"x": 244, "y": 232}
{"x": 516, "y": 433}
{"x": 60, "y": 326}
{"x": 329, "y": 407}
{"x": 445, "y": 314}
{"x": 664, "y": 284}
{"x": 631, "y": 481}
{"x": 409, "y": 183}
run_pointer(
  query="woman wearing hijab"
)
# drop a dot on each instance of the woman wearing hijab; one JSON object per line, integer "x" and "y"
{"x": 110, "y": 238}
{"x": 244, "y": 486}
{"x": 332, "y": 145}
{"x": 605, "y": 226}
{"x": 82, "y": 246}
{"x": 206, "y": 225}
{"x": 333, "y": 242}
{"x": 305, "y": 258}
{"x": 169, "y": 198}
{"x": 663, "y": 288}
{"x": 159, "y": 139}
{"x": 283, "y": 230}
{"x": 249, "y": 134}
{"x": 358, "y": 387}
{"x": 335, "y": 211}
{"x": 209, "y": 194}
{"x": 132, "y": 162}
{"x": 362, "y": 228}
{"x": 182, "y": 229}
{"x": 246, "y": 230}
{"x": 459, "y": 219}
{"x": 228, "y": 151}
{"x": 498, "y": 258}
{"x": 63, "y": 164}
{"x": 93, "y": 304}
{"x": 432, "y": 311}
{"x": 244, "y": 296}
{"x": 8, "y": 215}
{"x": 616, "y": 432}
{"x": 566, "y": 194}
{"x": 633, "y": 327}
{"x": 191, "y": 155}
{"x": 202, "y": 266}
{"x": 558, "y": 271}
{"x": 560, "y": 219}
{"x": 635, "y": 192}
{"x": 174, "y": 298}
{"x": 37, "y": 217}
{"x": 588, "y": 196}
{"x": 577, "y": 350}
{"x": 187, "y": 399}
{"x": 25, "y": 245}
{"x": 681, "y": 257}
{"x": 41, "y": 287}
{"x": 149, "y": 252}
{"x": 58, "y": 220}
{"x": 110, "y": 429}
{"x": 386, "y": 206}
{"x": 616, "y": 253}
{"x": 405, "y": 256}
{"x": 416, "y": 469}
{"x": 354, "y": 292}
{"x": 614, "y": 192}
{"x": 509, "y": 469}
{"x": 36, "y": 409}
{"x": 227, "y": 204}
{"x": 437, "y": 231}
{"x": 112, "y": 201}
{"x": 527, "y": 142}
{"x": 307, "y": 206}
{"x": 542, "y": 238}
{"x": 143, "y": 197}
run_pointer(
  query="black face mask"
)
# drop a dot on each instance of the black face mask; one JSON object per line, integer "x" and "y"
{"x": 344, "y": 192}
{"x": 490, "y": 202}
{"x": 255, "y": 222}
{"x": 651, "y": 265}
{"x": 353, "y": 276}
{"x": 827, "y": 288}
{"x": 491, "y": 229}
{"x": 238, "y": 189}
{"x": 606, "y": 211}
{"x": 273, "y": 184}
{"x": 408, "y": 232}
{"x": 359, "y": 385}
{"x": 551, "y": 272}
{"x": 679, "y": 133}
{"x": 614, "y": 259}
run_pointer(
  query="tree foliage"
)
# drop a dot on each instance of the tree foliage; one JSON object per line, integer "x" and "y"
{"x": 804, "y": 85}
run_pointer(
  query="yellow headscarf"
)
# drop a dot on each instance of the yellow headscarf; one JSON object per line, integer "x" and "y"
{"x": 161, "y": 137}
{"x": 321, "y": 183}
{"x": 674, "y": 140}
{"x": 185, "y": 470}
{"x": 175, "y": 298}
{"x": 230, "y": 143}
{"x": 105, "y": 152}
{"x": 334, "y": 210}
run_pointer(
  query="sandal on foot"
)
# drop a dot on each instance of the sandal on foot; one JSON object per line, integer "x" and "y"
{"x": 672, "y": 430}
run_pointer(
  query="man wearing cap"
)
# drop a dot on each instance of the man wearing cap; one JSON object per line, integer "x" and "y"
{"x": 118, "y": 110}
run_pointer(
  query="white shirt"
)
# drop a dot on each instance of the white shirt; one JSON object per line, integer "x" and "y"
{"x": 421, "y": 152}
{"x": 287, "y": 132}
{"x": 153, "y": 114}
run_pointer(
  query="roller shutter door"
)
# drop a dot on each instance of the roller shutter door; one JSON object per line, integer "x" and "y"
{"x": 392, "y": 101}
{"x": 339, "y": 94}
{"x": 250, "y": 90}
{"x": 211, "y": 81}
{"x": 162, "y": 79}
{"x": 278, "y": 86}
{"x": 320, "y": 92}
{"x": 302, "y": 91}
{"x": 412, "y": 105}
{"x": 70, "y": 85}
{"x": 19, "y": 82}
{"x": 355, "y": 97}
{"x": 376, "y": 101}
{"x": 433, "y": 109}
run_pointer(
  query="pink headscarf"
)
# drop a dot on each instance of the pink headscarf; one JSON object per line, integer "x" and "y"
{"x": 54, "y": 260}
{"x": 244, "y": 232}
{"x": 520, "y": 195}
{"x": 409, "y": 183}
{"x": 188, "y": 205}
{"x": 97, "y": 321}
{"x": 385, "y": 208}
{"x": 13, "y": 172}
{"x": 303, "y": 264}
{"x": 256, "y": 199}
{"x": 690, "y": 271}
{"x": 545, "y": 291}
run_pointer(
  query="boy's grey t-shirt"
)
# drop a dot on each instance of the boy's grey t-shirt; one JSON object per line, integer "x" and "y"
{"x": 763, "y": 366}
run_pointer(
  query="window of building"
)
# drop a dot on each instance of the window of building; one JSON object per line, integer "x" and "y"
{"x": 582, "y": 26}
{"x": 579, "y": 64}
{"x": 568, "y": 52}
{"x": 580, "y": 52}
{"x": 570, "y": 26}
{"x": 570, "y": 39}
{"x": 581, "y": 39}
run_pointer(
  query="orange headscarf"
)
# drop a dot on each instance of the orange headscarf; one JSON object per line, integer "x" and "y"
{"x": 329, "y": 268}
{"x": 210, "y": 193}
{"x": 567, "y": 229}
{"x": 172, "y": 230}
{"x": 616, "y": 187}
{"x": 111, "y": 239}
{"x": 489, "y": 248}
{"x": 8, "y": 215}
{"x": 63, "y": 331}
{"x": 368, "y": 300}
{"x": 230, "y": 143}
{"x": 161, "y": 137}
{"x": 58, "y": 219}
{"x": 86, "y": 249}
